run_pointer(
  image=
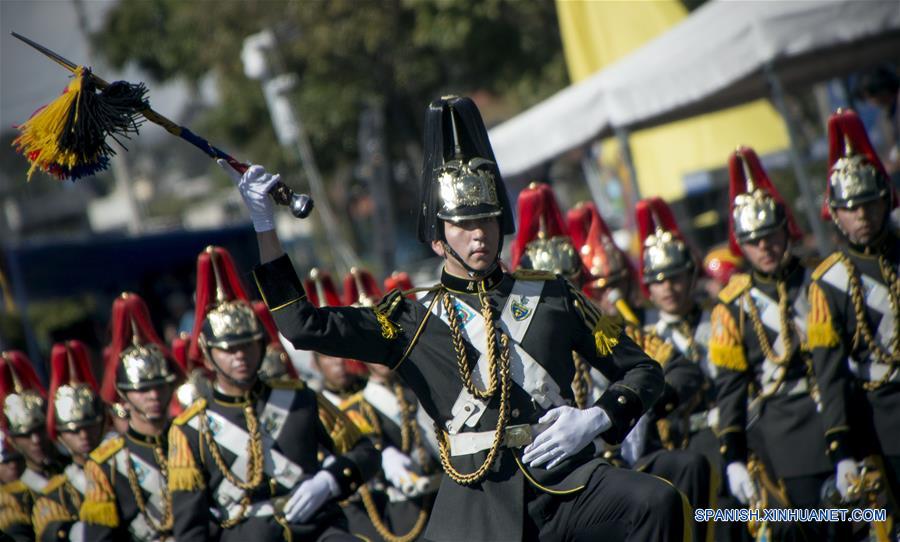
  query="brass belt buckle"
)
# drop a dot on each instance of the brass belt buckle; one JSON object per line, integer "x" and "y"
{"x": 518, "y": 436}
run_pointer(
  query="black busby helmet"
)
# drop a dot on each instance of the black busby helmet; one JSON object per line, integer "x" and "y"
{"x": 460, "y": 178}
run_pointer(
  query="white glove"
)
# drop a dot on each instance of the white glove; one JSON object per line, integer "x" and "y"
{"x": 846, "y": 472}
{"x": 739, "y": 482}
{"x": 254, "y": 186}
{"x": 572, "y": 430}
{"x": 396, "y": 467}
{"x": 310, "y": 496}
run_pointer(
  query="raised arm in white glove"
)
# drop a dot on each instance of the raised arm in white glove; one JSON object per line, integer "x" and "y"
{"x": 846, "y": 472}
{"x": 739, "y": 482}
{"x": 396, "y": 466}
{"x": 254, "y": 186}
{"x": 572, "y": 430}
{"x": 310, "y": 496}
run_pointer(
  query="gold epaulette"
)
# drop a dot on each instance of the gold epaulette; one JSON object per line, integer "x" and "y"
{"x": 736, "y": 286}
{"x": 99, "y": 506}
{"x": 657, "y": 348}
{"x": 826, "y": 264}
{"x": 533, "y": 274}
{"x": 352, "y": 400}
{"x": 820, "y": 332}
{"x": 55, "y": 483}
{"x": 13, "y": 488}
{"x": 11, "y": 511}
{"x": 196, "y": 407}
{"x": 287, "y": 384}
{"x": 107, "y": 449}
{"x": 725, "y": 346}
{"x": 46, "y": 511}
{"x": 343, "y": 432}
{"x": 360, "y": 421}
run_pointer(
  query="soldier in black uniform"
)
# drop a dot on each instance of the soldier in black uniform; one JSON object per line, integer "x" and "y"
{"x": 489, "y": 357}
{"x": 649, "y": 447}
{"x": 246, "y": 457}
{"x": 24, "y": 421}
{"x": 128, "y": 497}
{"x": 855, "y": 310}
{"x": 75, "y": 420}
{"x": 757, "y": 346}
{"x": 395, "y": 505}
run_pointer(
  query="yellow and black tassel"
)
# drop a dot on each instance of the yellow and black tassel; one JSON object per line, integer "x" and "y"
{"x": 67, "y": 137}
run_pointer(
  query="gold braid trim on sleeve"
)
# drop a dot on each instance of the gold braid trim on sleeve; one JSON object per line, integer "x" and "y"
{"x": 183, "y": 472}
{"x": 725, "y": 348}
{"x": 99, "y": 505}
{"x": 820, "y": 328}
{"x": 606, "y": 329}
{"x": 46, "y": 511}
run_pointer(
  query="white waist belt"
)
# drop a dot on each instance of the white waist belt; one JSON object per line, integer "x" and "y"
{"x": 476, "y": 441}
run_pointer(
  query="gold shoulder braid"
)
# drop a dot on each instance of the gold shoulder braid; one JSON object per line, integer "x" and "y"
{"x": 410, "y": 437}
{"x": 495, "y": 366}
{"x": 787, "y": 326}
{"x": 255, "y": 459}
{"x": 863, "y": 332}
{"x": 167, "y": 521}
{"x": 582, "y": 385}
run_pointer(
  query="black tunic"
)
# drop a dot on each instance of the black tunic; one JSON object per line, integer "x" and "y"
{"x": 787, "y": 430}
{"x": 398, "y": 334}
{"x": 857, "y": 421}
{"x": 300, "y": 439}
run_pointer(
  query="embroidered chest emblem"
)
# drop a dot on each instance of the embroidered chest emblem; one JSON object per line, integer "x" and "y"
{"x": 270, "y": 424}
{"x": 214, "y": 426}
{"x": 139, "y": 471}
{"x": 463, "y": 314}
{"x": 520, "y": 309}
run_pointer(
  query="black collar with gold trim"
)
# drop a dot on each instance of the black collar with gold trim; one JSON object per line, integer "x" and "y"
{"x": 470, "y": 286}
{"x": 239, "y": 400}
{"x": 151, "y": 441}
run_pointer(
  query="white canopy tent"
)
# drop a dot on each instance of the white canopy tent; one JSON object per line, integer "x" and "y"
{"x": 726, "y": 53}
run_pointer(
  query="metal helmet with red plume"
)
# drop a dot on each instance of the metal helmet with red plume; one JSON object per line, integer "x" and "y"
{"x": 74, "y": 397}
{"x": 320, "y": 289}
{"x": 542, "y": 242}
{"x": 137, "y": 357}
{"x": 664, "y": 250}
{"x": 756, "y": 207}
{"x": 223, "y": 316}
{"x": 855, "y": 174}
{"x": 275, "y": 364}
{"x": 21, "y": 394}
{"x": 603, "y": 259}
{"x": 361, "y": 289}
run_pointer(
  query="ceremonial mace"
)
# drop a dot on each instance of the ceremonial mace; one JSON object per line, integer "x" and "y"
{"x": 67, "y": 138}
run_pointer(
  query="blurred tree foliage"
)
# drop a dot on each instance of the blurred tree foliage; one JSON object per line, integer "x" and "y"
{"x": 399, "y": 54}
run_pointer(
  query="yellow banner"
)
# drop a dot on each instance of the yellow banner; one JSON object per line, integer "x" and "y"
{"x": 597, "y": 33}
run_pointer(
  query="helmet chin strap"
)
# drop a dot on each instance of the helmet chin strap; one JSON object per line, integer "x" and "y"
{"x": 138, "y": 411}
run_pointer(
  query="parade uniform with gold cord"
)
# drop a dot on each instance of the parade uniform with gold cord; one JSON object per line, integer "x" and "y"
{"x": 758, "y": 349}
{"x": 128, "y": 497}
{"x": 487, "y": 357}
{"x": 855, "y": 310}
{"x": 388, "y": 414}
{"x": 24, "y": 412}
{"x": 74, "y": 404}
{"x": 235, "y": 460}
